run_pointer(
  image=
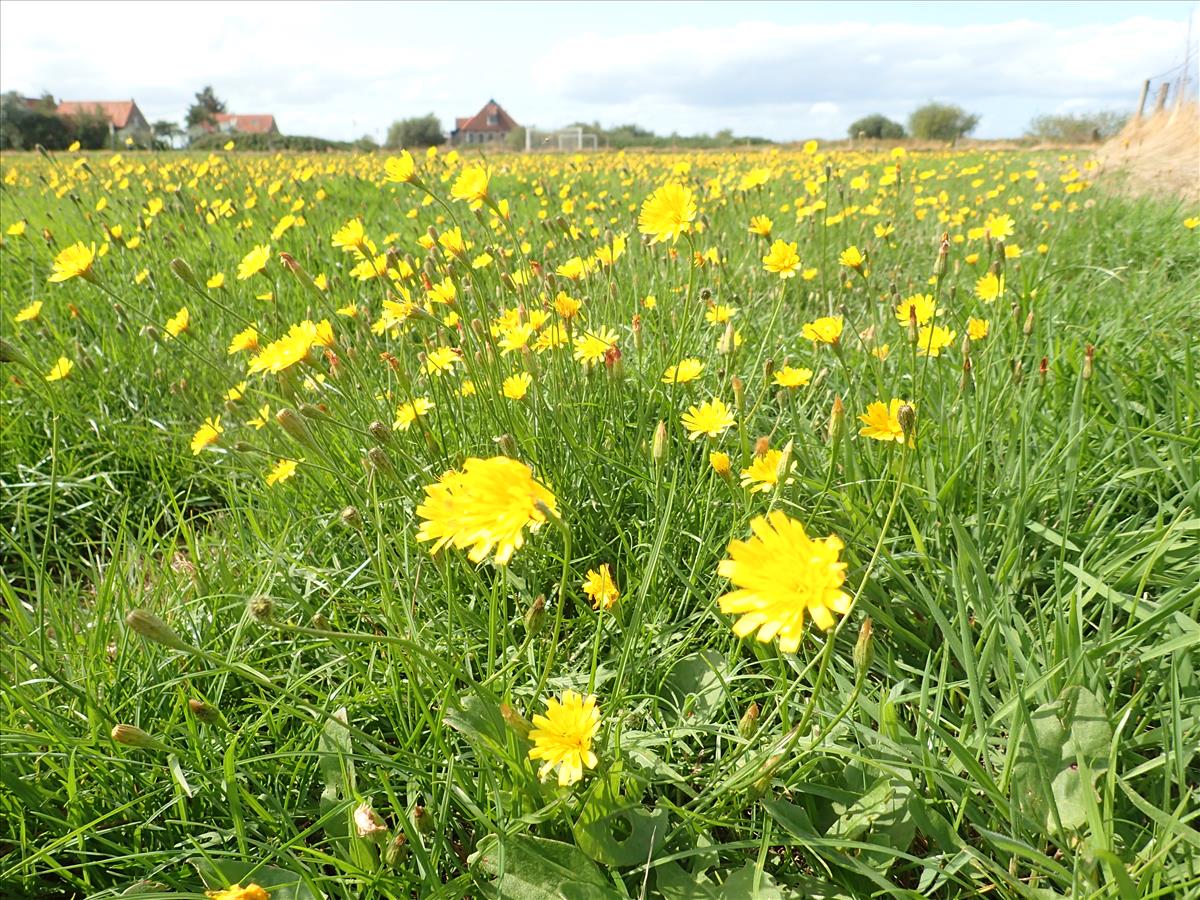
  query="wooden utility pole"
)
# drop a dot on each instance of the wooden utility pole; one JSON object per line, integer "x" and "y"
{"x": 1161, "y": 100}
{"x": 1141, "y": 107}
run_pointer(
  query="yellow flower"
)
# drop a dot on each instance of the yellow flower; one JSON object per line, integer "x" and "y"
{"x": 208, "y": 433}
{"x": 74, "y": 262}
{"x": 254, "y": 262}
{"x": 999, "y": 227}
{"x": 761, "y": 226}
{"x": 711, "y": 418}
{"x": 217, "y": 281}
{"x": 178, "y": 323}
{"x": 452, "y": 242}
{"x": 283, "y": 470}
{"x": 793, "y": 378}
{"x": 600, "y": 587}
{"x": 590, "y": 347}
{"x": 563, "y": 737}
{"x": 409, "y": 412}
{"x": 610, "y": 253}
{"x": 237, "y": 392}
{"x": 977, "y": 329}
{"x": 467, "y": 388}
{"x": 719, "y": 460}
{"x": 882, "y": 231}
{"x": 667, "y": 213}
{"x": 881, "y": 352}
{"x": 687, "y": 370}
{"x": 351, "y": 236}
{"x": 61, "y": 369}
{"x": 1189, "y": 223}
{"x": 782, "y": 260}
{"x": 264, "y": 416}
{"x": 933, "y": 339}
{"x": 882, "y": 422}
{"x": 767, "y": 470}
{"x": 472, "y": 186}
{"x": 719, "y": 313}
{"x": 29, "y": 313}
{"x": 237, "y": 892}
{"x": 485, "y": 507}
{"x": 825, "y": 330}
{"x": 292, "y": 348}
{"x": 781, "y": 574}
{"x": 16, "y": 229}
{"x": 440, "y": 360}
{"x": 989, "y": 287}
{"x": 246, "y": 339}
{"x": 921, "y": 305}
{"x": 516, "y": 386}
{"x": 400, "y": 169}
{"x": 852, "y": 258}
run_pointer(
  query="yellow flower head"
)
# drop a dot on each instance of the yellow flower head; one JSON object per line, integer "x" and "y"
{"x": 60, "y": 370}
{"x": 591, "y": 346}
{"x": 441, "y": 359}
{"x": 178, "y": 323}
{"x": 29, "y": 313}
{"x": 516, "y": 386}
{"x": 781, "y": 574}
{"x": 485, "y": 507}
{"x": 282, "y": 471}
{"x": 600, "y": 587}
{"x": 237, "y": 892}
{"x": 922, "y": 306}
{"x": 407, "y": 413}
{"x": 208, "y": 433}
{"x": 74, "y": 262}
{"x": 563, "y": 737}
{"x": 246, "y": 339}
{"x": 881, "y": 422}
{"x": 793, "y": 378}
{"x": 719, "y": 460}
{"x": 989, "y": 287}
{"x": 825, "y": 330}
{"x": 290, "y": 349}
{"x": 687, "y": 370}
{"x": 933, "y": 339}
{"x": 977, "y": 329}
{"x": 767, "y": 470}
{"x": 761, "y": 225}
{"x": 566, "y": 306}
{"x": 852, "y": 258}
{"x": 254, "y": 262}
{"x": 217, "y": 281}
{"x": 667, "y": 213}
{"x": 999, "y": 227}
{"x": 400, "y": 169}
{"x": 711, "y": 418}
{"x": 472, "y": 186}
{"x": 783, "y": 259}
{"x": 351, "y": 236}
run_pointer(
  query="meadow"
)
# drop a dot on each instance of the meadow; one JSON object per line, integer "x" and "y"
{"x": 781, "y": 523}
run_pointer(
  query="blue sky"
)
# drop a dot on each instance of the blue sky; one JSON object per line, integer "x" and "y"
{"x": 787, "y": 71}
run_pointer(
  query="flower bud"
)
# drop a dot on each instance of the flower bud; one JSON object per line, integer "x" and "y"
{"x": 422, "y": 819}
{"x": 380, "y": 462}
{"x": 319, "y": 622}
{"x": 906, "y": 415}
{"x": 658, "y": 449}
{"x": 1089, "y": 354}
{"x": 1028, "y": 329}
{"x": 762, "y": 445}
{"x": 381, "y": 433}
{"x": 152, "y": 628}
{"x": 507, "y": 445}
{"x": 261, "y": 609}
{"x": 368, "y": 825}
{"x": 10, "y": 354}
{"x": 1043, "y": 368}
{"x": 206, "y": 713}
{"x": 312, "y": 411}
{"x": 769, "y": 369}
{"x": 719, "y": 460}
{"x": 184, "y": 272}
{"x": 727, "y": 344}
{"x": 295, "y": 427}
{"x": 515, "y": 720}
{"x": 535, "y": 616}
{"x": 739, "y": 394}
{"x": 864, "y": 648}
{"x": 748, "y": 724}
{"x": 351, "y": 518}
{"x": 397, "y": 850}
{"x": 132, "y": 736}
{"x": 939, "y": 264}
{"x": 837, "y": 418}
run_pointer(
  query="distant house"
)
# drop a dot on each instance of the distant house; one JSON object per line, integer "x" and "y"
{"x": 490, "y": 124}
{"x": 125, "y": 120}
{"x": 237, "y": 123}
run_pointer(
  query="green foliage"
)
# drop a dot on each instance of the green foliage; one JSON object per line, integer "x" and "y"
{"x": 941, "y": 122}
{"x": 267, "y": 142}
{"x": 419, "y": 132}
{"x": 875, "y": 127}
{"x": 22, "y": 128}
{"x": 1076, "y": 128}
{"x": 204, "y": 109}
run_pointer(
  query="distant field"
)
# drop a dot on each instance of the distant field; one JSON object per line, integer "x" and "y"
{"x": 720, "y": 525}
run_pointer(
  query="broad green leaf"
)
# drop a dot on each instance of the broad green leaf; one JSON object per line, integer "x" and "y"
{"x": 616, "y": 831}
{"x": 282, "y": 884}
{"x": 336, "y": 759}
{"x": 696, "y": 685}
{"x": 532, "y": 868}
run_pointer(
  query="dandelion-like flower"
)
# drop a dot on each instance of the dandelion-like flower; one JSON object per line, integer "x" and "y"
{"x": 781, "y": 575}
{"x": 516, "y": 386}
{"x": 250, "y": 892}
{"x": 472, "y": 186}
{"x": 400, "y": 169}
{"x": 789, "y": 377}
{"x": 766, "y": 471}
{"x": 178, "y": 323}
{"x": 208, "y": 433}
{"x": 783, "y": 259}
{"x": 254, "y": 262}
{"x": 977, "y": 329}
{"x": 687, "y": 370}
{"x": 563, "y": 736}
{"x": 711, "y": 418}
{"x": 600, "y": 587}
{"x": 922, "y": 307}
{"x": 933, "y": 339}
{"x": 486, "y": 507}
{"x": 29, "y": 313}
{"x": 282, "y": 471}
{"x": 881, "y": 422}
{"x": 667, "y": 213}
{"x": 989, "y": 287}
{"x": 852, "y": 258}
{"x": 825, "y": 330}
{"x": 407, "y": 413}
{"x": 60, "y": 370}
{"x": 74, "y": 262}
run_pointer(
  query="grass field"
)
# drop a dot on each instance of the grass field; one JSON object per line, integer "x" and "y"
{"x": 260, "y": 390}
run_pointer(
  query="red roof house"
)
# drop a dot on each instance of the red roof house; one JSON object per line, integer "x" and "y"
{"x": 124, "y": 117}
{"x": 257, "y": 123}
{"x": 490, "y": 124}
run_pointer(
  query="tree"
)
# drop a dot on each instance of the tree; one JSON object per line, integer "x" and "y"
{"x": 90, "y": 127}
{"x": 1076, "y": 128}
{"x": 425, "y": 131}
{"x": 941, "y": 122}
{"x": 165, "y": 132}
{"x": 876, "y": 127}
{"x": 23, "y": 128}
{"x": 204, "y": 110}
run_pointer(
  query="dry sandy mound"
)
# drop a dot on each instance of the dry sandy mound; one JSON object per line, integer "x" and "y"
{"x": 1159, "y": 154}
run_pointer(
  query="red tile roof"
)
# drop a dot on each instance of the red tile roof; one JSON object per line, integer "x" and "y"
{"x": 479, "y": 121}
{"x": 117, "y": 111}
{"x": 257, "y": 123}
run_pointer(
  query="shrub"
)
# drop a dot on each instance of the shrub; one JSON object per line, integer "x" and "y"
{"x": 1076, "y": 128}
{"x": 941, "y": 122}
{"x": 876, "y": 127}
{"x": 425, "y": 131}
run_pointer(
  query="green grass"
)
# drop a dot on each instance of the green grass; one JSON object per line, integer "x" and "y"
{"x": 1027, "y": 725}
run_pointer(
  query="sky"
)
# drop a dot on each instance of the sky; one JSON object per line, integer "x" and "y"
{"x": 784, "y": 71}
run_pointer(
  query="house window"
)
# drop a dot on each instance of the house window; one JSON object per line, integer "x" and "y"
{"x": 493, "y": 119}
